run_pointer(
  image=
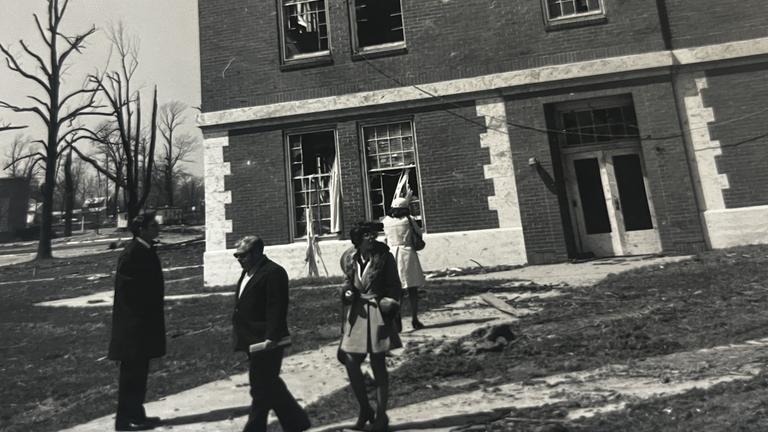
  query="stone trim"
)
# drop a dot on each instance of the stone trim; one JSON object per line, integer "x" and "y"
{"x": 485, "y": 83}
{"x": 216, "y": 196}
{"x": 737, "y": 226}
{"x": 444, "y": 250}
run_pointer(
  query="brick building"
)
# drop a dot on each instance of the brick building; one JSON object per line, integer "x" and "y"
{"x": 529, "y": 132}
{"x": 14, "y": 198}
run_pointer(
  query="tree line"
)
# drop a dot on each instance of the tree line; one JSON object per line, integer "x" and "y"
{"x": 99, "y": 137}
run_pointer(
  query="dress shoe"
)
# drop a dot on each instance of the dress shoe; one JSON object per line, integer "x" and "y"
{"x": 416, "y": 324}
{"x": 366, "y": 416}
{"x": 381, "y": 424}
{"x": 137, "y": 425}
{"x": 151, "y": 420}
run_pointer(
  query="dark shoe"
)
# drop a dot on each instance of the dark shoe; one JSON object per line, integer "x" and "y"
{"x": 366, "y": 416}
{"x": 417, "y": 325}
{"x": 137, "y": 425}
{"x": 381, "y": 424}
{"x": 152, "y": 420}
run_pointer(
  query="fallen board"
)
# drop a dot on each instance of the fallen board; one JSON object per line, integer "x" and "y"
{"x": 498, "y": 303}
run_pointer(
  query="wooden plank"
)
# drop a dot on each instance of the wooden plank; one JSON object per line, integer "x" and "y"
{"x": 498, "y": 303}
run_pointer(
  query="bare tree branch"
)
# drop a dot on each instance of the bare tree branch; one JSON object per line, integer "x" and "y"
{"x": 13, "y": 65}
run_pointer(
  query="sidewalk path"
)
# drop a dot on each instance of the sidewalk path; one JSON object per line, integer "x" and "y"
{"x": 575, "y": 274}
{"x": 222, "y": 406}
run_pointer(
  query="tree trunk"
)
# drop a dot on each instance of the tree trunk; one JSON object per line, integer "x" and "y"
{"x": 46, "y": 220}
{"x": 169, "y": 186}
{"x": 69, "y": 195}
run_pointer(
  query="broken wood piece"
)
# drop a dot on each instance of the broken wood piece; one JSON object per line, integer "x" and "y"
{"x": 498, "y": 303}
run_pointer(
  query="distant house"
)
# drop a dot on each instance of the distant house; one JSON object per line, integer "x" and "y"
{"x": 527, "y": 131}
{"x": 14, "y": 195}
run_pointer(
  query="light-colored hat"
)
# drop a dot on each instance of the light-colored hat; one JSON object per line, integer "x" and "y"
{"x": 401, "y": 203}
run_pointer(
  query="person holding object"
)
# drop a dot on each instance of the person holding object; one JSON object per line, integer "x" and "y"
{"x": 138, "y": 322}
{"x": 399, "y": 230}
{"x": 261, "y": 331}
{"x": 372, "y": 324}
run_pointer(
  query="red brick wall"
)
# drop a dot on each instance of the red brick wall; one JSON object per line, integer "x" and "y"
{"x": 704, "y": 22}
{"x": 455, "y": 191}
{"x": 739, "y": 98}
{"x": 259, "y": 198}
{"x": 446, "y": 39}
{"x": 665, "y": 162}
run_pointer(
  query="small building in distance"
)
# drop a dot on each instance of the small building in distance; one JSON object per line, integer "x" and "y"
{"x": 14, "y": 197}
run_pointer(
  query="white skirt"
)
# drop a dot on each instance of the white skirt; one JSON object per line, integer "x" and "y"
{"x": 408, "y": 266}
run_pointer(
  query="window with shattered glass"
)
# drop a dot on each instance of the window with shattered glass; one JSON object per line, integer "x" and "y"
{"x": 305, "y": 28}
{"x": 378, "y": 24}
{"x": 312, "y": 157}
{"x": 391, "y": 160}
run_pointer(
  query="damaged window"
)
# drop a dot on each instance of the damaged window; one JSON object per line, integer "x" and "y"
{"x": 315, "y": 183}
{"x": 565, "y": 9}
{"x": 378, "y": 24}
{"x": 305, "y": 28}
{"x": 591, "y": 126}
{"x": 390, "y": 153}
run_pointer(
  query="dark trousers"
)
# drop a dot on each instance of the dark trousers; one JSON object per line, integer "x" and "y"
{"x": 268, "y": 391}
{"x": 132, "y": 389}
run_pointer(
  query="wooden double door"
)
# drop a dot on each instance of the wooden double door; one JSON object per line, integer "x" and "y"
{"x": 610, "y": 205}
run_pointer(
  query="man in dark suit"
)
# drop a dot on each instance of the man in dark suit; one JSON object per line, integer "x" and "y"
{"x": 138, "y": 322}
{"x": 261, "y": 330}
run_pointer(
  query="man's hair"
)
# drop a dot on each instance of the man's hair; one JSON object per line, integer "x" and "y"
{"x": 360, "y": 228}
{"x": 141, "y": 222}
{"x": 249, "y": 244}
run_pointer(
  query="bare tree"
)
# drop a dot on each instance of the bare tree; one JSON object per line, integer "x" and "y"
{"x": 56, "y": 109}
{"x": 7, "y": 126}
{"x": 176, "y": 147}
{"x": 125, "y": 106}
{"x": 22, "y": 160}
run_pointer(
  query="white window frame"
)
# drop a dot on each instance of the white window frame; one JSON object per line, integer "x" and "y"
{"x": 573, "y": 19}
{"x": 374, "y": 49}
{"x": 421, "y": 218}
{"x": 307, "y": 57}
{"x": 291, "y": 194}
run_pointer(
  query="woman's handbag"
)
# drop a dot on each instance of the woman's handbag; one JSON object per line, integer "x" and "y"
{"x": 417, "y": 241}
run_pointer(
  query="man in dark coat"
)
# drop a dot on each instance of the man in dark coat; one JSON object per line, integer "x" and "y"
{"x": 261, "y": 330}
{"x": 138, "y": 322}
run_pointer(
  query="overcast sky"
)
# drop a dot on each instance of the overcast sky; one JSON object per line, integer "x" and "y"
{"x": 168, "y": 57}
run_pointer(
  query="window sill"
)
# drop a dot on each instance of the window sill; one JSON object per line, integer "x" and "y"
{"x": 569, "y": 23}
{"x": 307, "y": 62}
{"x": 380, "y": 51}
{"x": 332, "y": 236}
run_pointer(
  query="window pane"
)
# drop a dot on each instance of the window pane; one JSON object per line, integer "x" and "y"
{"x": 387, "y": 165}
{"x": 305, "y": 27}
{"x": 593, "y": 206}
{"x": 378, "y": 22}
{"x": 311, "y": 176}
{"x": 634, "y": 201}
{"x": 554, "y": 9}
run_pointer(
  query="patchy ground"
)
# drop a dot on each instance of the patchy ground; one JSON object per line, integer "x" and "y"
{"x": 676, "y": 346}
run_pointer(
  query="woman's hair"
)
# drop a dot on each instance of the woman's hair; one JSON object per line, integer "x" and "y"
{"x": 397, "y": 212}
{"x": 141, "y": 222}
{"x": 360, "y": 228}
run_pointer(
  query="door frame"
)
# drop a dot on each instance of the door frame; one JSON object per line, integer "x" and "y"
{"x": 603, "y": 153}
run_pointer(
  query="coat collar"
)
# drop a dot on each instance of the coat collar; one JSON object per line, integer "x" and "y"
{"x": 260, "y": 272}
{"x": 372, "y": 271}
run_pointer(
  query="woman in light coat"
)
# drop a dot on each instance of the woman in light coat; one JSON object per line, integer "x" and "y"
{"x": 371, "y": 290}
{"x": 399, "y": 230}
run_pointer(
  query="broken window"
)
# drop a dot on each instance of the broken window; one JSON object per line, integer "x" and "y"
{"x": 378, "y": 23}
{"x": 315, "y": 183}
{"x": 305, "y": 28}
{"x": 390, "y": 153}
{"x": 597, "y": 125}
{"x": 562, "y": 9}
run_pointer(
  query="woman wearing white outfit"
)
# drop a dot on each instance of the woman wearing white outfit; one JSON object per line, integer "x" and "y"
{"x": 398, "y": 229}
